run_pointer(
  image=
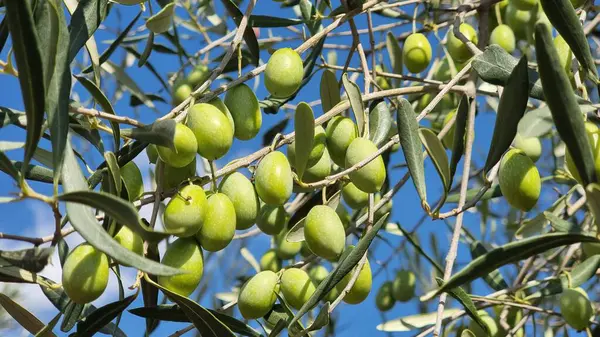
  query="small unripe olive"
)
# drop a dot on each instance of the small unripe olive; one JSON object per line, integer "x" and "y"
{"x": 130, "y": 240}
{"x": 369, "y": 178}
{"x": 270, "y": 261}
{"x": 197, "y": 76}
{"x": 317, "y": 274}
{"x": 284, "y": 73}
{"x": 316, "y": 152}
{"x": 382, "y": 81}
{"x": 258, "y": 295}
{"x": 324, "y": 232}
{"x": 285, "y": 249}
{"x": 488, "y": 321}
{"x": 173, "y": 176}
{"x": 218, "y": 103}
{"x": 212, "y": 130}
{"x": 152, "y": 153}
{"x": 361, "y": 288}
{"x": 181, "y": 92}
{"x": 531, "y": 146}
{"x": 403, "y": 287}
{"x": 186, "y": 255}
{"x": 504, "y": 36}
{"x": 384, "y": 300}
{"x": 273, "y": 179}
{"x": 447, "y": 102}
{"x": 272, "y": 219}
{"x": 524, "y": 5}
{"x": 243, "y": 106}
{"x": 590, "y": 249}
{"x": 132, "y": 180}
{"x": 519, "y": 180}
{"x": 456, "y": 48}
{"x": 219, "y": 223}
{"x": 354, "y": 197}
{"x": 416, "y": 53}
{"x": 185, "y": 147}
{"x": 448, "y": 139}
{"x": 186, "y": 211}
{"x": 518, "y": 20}
{"x": 317, "y": 172}
{"x": 241, "y": 192}
{"x": 296, "y": 287}
{"x": 341, "y": 131}
{"x": 576, "y": 308}
{"x": 85, "y": 274}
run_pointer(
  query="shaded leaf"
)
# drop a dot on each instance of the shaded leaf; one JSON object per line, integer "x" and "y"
{"x": 304, "y": 125}
{"x": 272, "y": 21}
{"x": 380, "y": 122}
{"x": 274, "y": 130}
{"x": 329, "y": 90}
{"x": 296, "y": 233}
{"x": 115, "y": 171}
{"x": 408, "y": 130}
{"x": 161, "y": 21}
{"x": 414, "y": 322}
{"x": 561, "y": 225}
{"x": 249, "y": 36}
{"x": 85, "y": 20}
{"x": 437, "y": 153}
{"x": 494, "y": 279}
{"x": 103, "y": 315}
{"x": 26, "y": 319}
{"x": 395, "y": 54}
{"x": 159, "y": 133}
{"x": 460, "y": 128}
{"x": 8, "y": 167}
{"x": 31, "y": 259}
{"x": 355, "y": 98}
{"x": 127, "y": 82}
{"x": 465, "y": 300}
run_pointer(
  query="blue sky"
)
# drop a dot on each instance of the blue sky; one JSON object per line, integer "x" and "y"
{"x": 33, "y": 218}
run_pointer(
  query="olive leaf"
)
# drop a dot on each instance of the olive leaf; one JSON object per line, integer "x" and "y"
{"x": 395, "y": 53}
{"x": 494, "y": 279}
{"x": 304, "y": 125}
{"x": 160, "y": 133}
{"x": 100, "y": 317}
{"x": 26, "y": 319}
{"x": 32, "y": 259}
{"x": 249, "y": 36}
{"x": 86, "y": 18}
{"x": 356, "y": 103}
{"x": 329, "y": 90}
{"x": 437, "y": 153}
{"x": 161, "y": 21}
{"x": 460, "y": 125}
{"x": 380, "y": 122}
{"x": 465, "y": 300}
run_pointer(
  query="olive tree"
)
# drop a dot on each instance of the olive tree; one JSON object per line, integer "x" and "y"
{"x": 322, "y": 129}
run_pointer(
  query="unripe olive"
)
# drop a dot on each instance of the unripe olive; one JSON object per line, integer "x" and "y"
{"x": 186, "y": 255}
{"x": 384, "y": 300}
{"x": 354, "y": 197}
{"x": 185, "y": 148}
{"x": 285, "y": 249}
{"x": 488, "y": 321}
{"x": 317, "y": 172}
{"x": 258, "y": 295}
{"x": 243, "y": 106}
{"x": 341, "y": 131}
{"x": 448, "y": 139}
{"x": 518, "y": 20}
{"x": 219, "y": 223}
{"x": 576, "y": 308}
{"x": 273, "y": 179}
{"x": 130, "y": 240}
{"x": 416, "y": 53}
{"x": 200, "y": 74}
{"x": 272, "y": 219}
{"x": 504, "y": 36}
{"x": 382, "y": 81}
{"x": 447, "y": 102}
{"x": 173, "y": 176}
{"x": 270, "y": 261}
{"x": 133, "y": 181}
{"x": 186, "y": 211}
{"x": 345, "y": 217}
{"x": 456, "y": 48}
{"x": 218, "y": 103}
{"x": 284, "y": 73}
{"x": 296, "y": 287}
{"x": 403, "y": 287}
{"x": 361, "y": 288}
{"x": 181, "y": 92}
{"x": 524, "y": 5}
{"x": 152, "y": 153}
{"x": 212, "y": 130}
{"x": 519, "y": 180}
{"x": 315, "y": 153}
{"x": 369, "y": 178}
{"x": 324, "y": 232}
{"x": 531, "y": 146}
{"x": 85, "y": 274}
{"x": 317, "y": 274}
{"x": 241, "y": 192}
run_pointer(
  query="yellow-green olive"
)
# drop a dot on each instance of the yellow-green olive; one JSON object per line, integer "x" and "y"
{"x": 519, "y": 180}
{"x": 456, "y": 48}
{"x": 181, "y": 92}
{"x": 258, "y": 294}
{"x": 284, "y": 73}
{"x": 416, "y": 53}
{"x": 369, "y": 178}
{"x": 219, "y": 223}
{"x": 524, "y": 5}
{"x": 532, "y": 146}
{"x": 341, "y": 131}
{"x": 218, "y": 103}
{"x": 130, "y": 240}
{"x": 270, "y": 261}
{"x": 354, "y": 197}
{"x": 85, "y": 274}
{"x": 185, "y": 213}
{"x": 384, "y": 300}
{"x": 285, "y": 249}
{"x": 272, "y": 219}
{"x": 576, "y": 308}
{"x": 316, "y": 152}
{"x": 241, "y": 192}
{"x": 186, "y": 255}
{"x": 403, "y": 287}
{"x": 361, "y": 288}
{"x": 185, "y": 147}
{"x": 243, "y": 106}
{"x": 173, "y": 176}
{"x": 504, "y": 36}
{"x": 273, "y": 179}
{"x": 212, "y": 130}
{"x": 197, "y": 76}
{"x": 152, "y": 153}
{"x": 488, "y": 321}
{"x": 296, "y": 287}
{"x": 324, "y": 232}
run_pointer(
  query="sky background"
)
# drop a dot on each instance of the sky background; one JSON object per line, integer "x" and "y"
{"x": 32, "y": 218}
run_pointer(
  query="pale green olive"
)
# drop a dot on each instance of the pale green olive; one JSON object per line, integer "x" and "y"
{"x": 270, "y": 261}
{"x": 186, "y": 255}
{"x": 284, "y": 73}
{"x": 324, "y": 232}
{"x": 416, "y": 53}
{"x": 241, "y": 192}
{"x": 212, "y": 130}
{"x": 130, "y": 240}
{"x": 185, "y": 213}
{"x": 219, "y": 223}
{"x": 85, "y": 274}
{"x": 519, "y": 179}
{"x": 198, "y": 75}
{"x": 258, "y": 294}
{"x": 185, "y": 147}
{"x": 273, "y": 179}
{"x": 296, "y": 287}
{"x": 272, "y": 219}
{"x": 384, "y": 300}
{"x": 488, "y": 321}
{"x": 173, "y": 176}
{"x": 152, "y": 153}
{"x": 403, "y": 287}
{"x": 532, "y": 146}
{"x": 285, "y": 249}
{"x": 243, "y": 106}
{"x": 576, "y": 308}
{"x": 362, "y": 286}
{"x": 504, "y": 36}
{"x": 369, "y": 178}
{"x": 354, "y": 197}
{"x": 317, "y": 150}
{"x": 341, "y": 131}
{"x": 456, "y": 48}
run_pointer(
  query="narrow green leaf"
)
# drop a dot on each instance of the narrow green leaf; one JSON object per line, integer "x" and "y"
{"x": 12, "y": 117}
{"x": 101, "y": 99}
{"x": 460, "y": 128}
{"x": 8, "y": 167}
{"x": 161, "y": 21}
{"x": 408, "y": 130}
{"x": 414, "y": 322}
{"x": 561, "y": 225}
{"x": 34, "y": 172}
{"x": 127, "y": 82}
{"x": 26, "y": 319}
{"x": 563, "y": 104}
{"x": 50, "y": 326}
{"x": 115, "y": 171}
{"x": 536, "y": 224}
{"x": 592, "y": 193}
{"x": 395, "y": 54}
{"x": 249, "y": 36}
{"x": 512, "y": 252}
{"x": 14, "y": 274}
{"x": 304, "y": 125}
{"x": 356, "y": 103}
{"x": 309, "y": 14}
{"x": 577, "y": 276}
{"x": 3, "y": 33}
{"x": 465, "y": 300}
{"x": 511, "y": 109}
{"x": 86, "y": 18}
{"x": 266, "y": 21}
{"x": 83, "y": 220}
{"x": 46, "y": 21}
{"x": 494, "y": 279}
{"x": 29, "y": 61}
{"x": 417, "y": 246}
{"x": 149, "y": 292}
{"x": 159, "y": 133}
{"x": 330, "y": 90}
{"x": 143, "y": 58}
{"x": 103, "y": 315}
{"x": 322, "y": 319}
{"x": 32, "y": 259}
{"x": 437, "y": 153}
{"x": 380, "y": 122}
{"x": 296, "y": 233}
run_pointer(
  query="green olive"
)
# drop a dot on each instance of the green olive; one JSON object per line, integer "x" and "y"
{"x": 447, "y": 103}
{"x": 284, "y": 73}
{"x": 403, "y": 287}
{"x": 272, "y": 219}
{"x": 317, "y": 172}
{"x": 341, "y": 131}
{"x": 504, "y": 36}
{"x": 241, "y": 192}
{"x": 361, "y": 288}
{"x": 85, "y": 274}
{"x": 345, "y": 217}
{"x": 185, "y": 147}
{"x": 219, "y": 223}
{"x": 382, "y": 81}
{"x": 286, "y": 250}
{"x": 354, "y": 197}
{"x": 270, "y": 261}
{"x": 132, "y": 180}
{"x": 296, "y": 287}
{"x": 369, "y": 178}
{"x": 519, "y": 180}
{"x": 317, "y": 151}
{"x": 258, "y": 294}
{"x": 197, "y": 76}
{"x": 186, "y": 255}
{"x": 152, "y": 153}
{"x": 576, "y": 308}
{"x": 488, "y": 321}
{"x": 518, "y": 20}
{"x": 130, "y": 240}
{"x": 243, "y": 106}
{"x": 524, "y": 5}
{"x": 456, "y": 48}
{"x": 212, "y": 130}
{"x": 181, "y": 92}
{"x": 416, "y": 53}
{"x": 448, "y": 139}
{"x": 324, "y": 232}
{"x": 186, "y": 211}
{"x": 317, "y": 274}
{"x": 218, "y": 103}
{"x": 384, "y": 300}
{"x": 532, "y": 146}
{"x": 173, "y": 176}
{"x": 273, "y": 179}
